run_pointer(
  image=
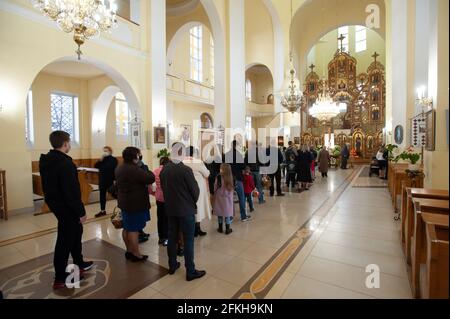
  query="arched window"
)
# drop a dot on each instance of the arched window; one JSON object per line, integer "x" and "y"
{"x": 122, "y": 115}
{"x": 29, "y": 129}
{"x": 248, "y": 128}
{"x": 248, "y": 90}
{"x": 196, "y": 53}
{"x": 64, "y": 114}
{"x": 360, "y": 38}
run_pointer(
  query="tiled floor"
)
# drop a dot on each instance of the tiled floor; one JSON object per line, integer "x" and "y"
{"x": 359, "y": 230}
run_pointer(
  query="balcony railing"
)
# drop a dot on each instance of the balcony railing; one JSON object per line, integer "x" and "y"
{"x": 189, "y": 89}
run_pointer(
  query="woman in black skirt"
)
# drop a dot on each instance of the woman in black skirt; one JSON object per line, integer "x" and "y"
{"x": 304, "y": 160}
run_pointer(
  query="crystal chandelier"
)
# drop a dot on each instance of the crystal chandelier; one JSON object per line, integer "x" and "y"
{"x": 85, "y": 18}
{"x": 324, "y": 109}
{"x": 291, "y": 96}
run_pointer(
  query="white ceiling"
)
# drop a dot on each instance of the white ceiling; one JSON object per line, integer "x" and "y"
{"x": 73, "y": 70}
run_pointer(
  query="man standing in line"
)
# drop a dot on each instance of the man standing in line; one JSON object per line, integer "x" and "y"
{"x": 181, "y": 192}
{"x": 63, "y": 196}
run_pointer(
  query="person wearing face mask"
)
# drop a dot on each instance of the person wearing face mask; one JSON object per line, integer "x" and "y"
{"x": 133, "y": 200}
{"x": 106, "y": 166}
{"x": 63, "y": 196}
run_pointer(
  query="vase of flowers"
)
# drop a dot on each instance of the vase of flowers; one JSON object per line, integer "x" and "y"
{"x": 411, "y": 156}
{"x": 163, "y": 153}
{"x": 391, "y": 148}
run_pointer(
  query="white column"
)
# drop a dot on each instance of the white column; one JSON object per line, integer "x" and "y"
{"x": 237, "y": 63}
{"x": 158, "y": 68}
{"x": 421, "y": 51}
{"x": 397, "y": 67}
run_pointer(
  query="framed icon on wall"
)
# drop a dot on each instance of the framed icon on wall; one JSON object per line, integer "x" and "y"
{"x": 159, "y": 135}
{"x": 398, "y": 134}
{"x": 430, "y": 120}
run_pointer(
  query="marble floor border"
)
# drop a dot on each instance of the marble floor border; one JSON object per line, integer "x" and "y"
{"x": 44, "y": 232}
{"x": 265, "y": 278}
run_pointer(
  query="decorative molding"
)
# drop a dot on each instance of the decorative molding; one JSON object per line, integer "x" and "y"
{"x": 182, "y": 8}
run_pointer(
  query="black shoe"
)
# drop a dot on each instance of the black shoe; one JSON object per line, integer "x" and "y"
{"x": 280, "y": 195}
{"x": 163, "y": 242}
{"x": 252, "y": 210}
{"x": 197, "y": 274}
{"x": 128, "y": 255}
{"x": 142, "y": 239}
{"x": 172, "y": 271}
{"x": 143, "y": 234}
{"x": 201, "y": 233}
{"x": 180, "y": 251}
{"x": 100, "y": 214}
{"x": 220, "y": 229}
{"x": 86, "y": 265}
{"x": 136, "y": 259}
{"x": 228, "y": 230}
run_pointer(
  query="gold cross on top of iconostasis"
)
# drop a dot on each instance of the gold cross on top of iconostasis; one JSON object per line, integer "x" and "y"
{"x": 312, "y": 66}
{"x": 375, "y": 56}
{"x": 342, "y": 38}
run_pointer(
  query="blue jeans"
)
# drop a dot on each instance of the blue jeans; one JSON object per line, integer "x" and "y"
{"x": 186, "y": 225}
{"x": 258, "y": 183}
{"x": 227, "y": 220}
{"x": 249, "y": 199}
{"x": 239, "y": 188}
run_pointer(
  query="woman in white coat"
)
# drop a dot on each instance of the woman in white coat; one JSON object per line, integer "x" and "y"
{"x": 201, "y": 174}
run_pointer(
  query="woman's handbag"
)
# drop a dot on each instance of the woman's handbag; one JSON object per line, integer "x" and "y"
{"x": 116, "y": 218}
{"x": 266, "y": 181}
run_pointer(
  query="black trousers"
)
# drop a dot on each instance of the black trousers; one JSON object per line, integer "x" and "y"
{"x": 275, "y": 177}
{"x": 344, "y": 163}
{"x": 103, "y": 189}
{"x": 290, "y": 180}
{"x": 186, "y": 225}
{"x": 68, "y": 242}
{"x": 163, "y": 227}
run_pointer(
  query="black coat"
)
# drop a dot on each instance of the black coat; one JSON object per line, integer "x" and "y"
{"x": 132, "y": 185}
{"x": 304, "y": 160}
{"x": 237, "y": 163}
{"x": 61, "y": 186}
{"x": 106, "y": 167}
{"x": 180, "y": 190}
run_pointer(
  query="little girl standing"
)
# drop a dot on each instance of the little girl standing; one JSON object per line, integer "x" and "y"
{"x": 223, "y": 198}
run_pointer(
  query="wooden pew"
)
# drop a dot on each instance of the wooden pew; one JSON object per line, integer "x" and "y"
{"x": 418, "y": 252}
{"x": 407, "y": 211}
{"x": 392, "y": 168}
{"x": 434, "y": 281}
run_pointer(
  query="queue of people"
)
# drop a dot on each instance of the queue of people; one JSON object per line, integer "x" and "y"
{"x": 187, "y": 192}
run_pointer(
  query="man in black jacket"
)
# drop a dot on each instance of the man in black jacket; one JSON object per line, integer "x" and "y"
{"x": 106, "y": 167}
{"x": 63, "y": 196}
{"x": 181, "y": 193}
{"x": 270, "y": 151}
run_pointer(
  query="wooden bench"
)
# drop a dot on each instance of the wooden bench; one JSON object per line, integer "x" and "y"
{"x": 434, "y": 278}
{"x": 407, "y": 209}
{"x": 392, "y": 169}
{"x": 418, "y": 251}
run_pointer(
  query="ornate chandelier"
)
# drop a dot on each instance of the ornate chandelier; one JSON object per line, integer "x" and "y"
{"x": 291, "y": 99}
{"x": 324, "y": 109}
{"x": 86, "y": 18}
{"x": 291, "y": 95}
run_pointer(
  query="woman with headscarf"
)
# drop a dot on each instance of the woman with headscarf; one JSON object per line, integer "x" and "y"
{"x": 304, "y": 168}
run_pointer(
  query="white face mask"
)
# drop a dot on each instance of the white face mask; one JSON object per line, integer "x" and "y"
{"x": 106, "y": 154}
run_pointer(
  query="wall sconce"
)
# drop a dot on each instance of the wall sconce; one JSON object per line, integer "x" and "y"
{"x": 422, "y": 100}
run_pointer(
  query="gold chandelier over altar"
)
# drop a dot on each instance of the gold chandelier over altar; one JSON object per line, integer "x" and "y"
{"x": 85, "y": 18}
{"x": 325, "y": 108}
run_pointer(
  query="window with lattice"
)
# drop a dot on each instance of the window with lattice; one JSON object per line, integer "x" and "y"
{"x": 64, "y": 114}
{"x": 122, "y": 115}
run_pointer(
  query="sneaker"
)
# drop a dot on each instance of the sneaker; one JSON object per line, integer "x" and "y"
{"x": 172, "y": 271}
{"x": 86, "y": 266}
{"x": 100, "y": 214}
{"x": 196, "y": 275}
{"x": 247, "y": 219}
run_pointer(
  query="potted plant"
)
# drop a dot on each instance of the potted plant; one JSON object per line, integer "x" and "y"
{"x": 391, "y": 148}
{"x": 163, "y": 153}
{"x": 409, "y": 155}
